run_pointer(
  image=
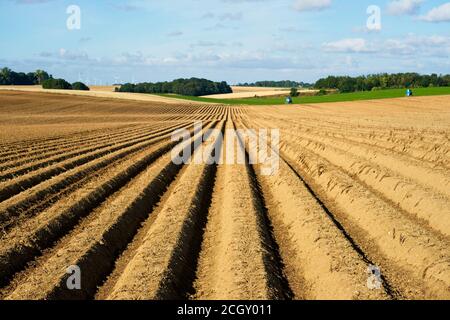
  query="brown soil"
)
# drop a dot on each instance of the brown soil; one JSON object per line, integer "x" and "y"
{"x": 89, "y": 181}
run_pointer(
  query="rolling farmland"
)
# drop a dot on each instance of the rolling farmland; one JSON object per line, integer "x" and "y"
{"x": 90, "y": 182}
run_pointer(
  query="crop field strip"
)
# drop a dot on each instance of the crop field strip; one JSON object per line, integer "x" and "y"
{"x": 100, "y": 237}
{"x": 239, "y": 259}
{"x": 162, "y": 272}
{"x": 425, "y": 150}
{"x": 320, "y": 262}
{"x": 21, "y": 203}
{"x": 420, "y": 201}
{"x": 35, "y": 149}
{"x": 407, "y": 234}
{"x": 66, "y": 212}
{"x": 139, "y": 226}
{"x": 62, "y": 156}
{"x": 55, "y": 143}
{"x": 16, "y": 185}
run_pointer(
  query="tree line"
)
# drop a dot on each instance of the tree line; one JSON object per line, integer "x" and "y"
{"x": 276, "y": 84}
{"x": 64, "y": 85}
{"x": 39, "y": 77}
{"x": 382, "y": 81}
{"x": 187, "y": 87}
{"x": 200, "y": 87}
{"x": 9, "y": 77}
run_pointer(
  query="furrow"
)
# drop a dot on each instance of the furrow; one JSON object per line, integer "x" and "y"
{"x": 167, "y": 271}
{"x": 14, "y": 206}
{"x": 13, "y": 187}
{"x": 95, "y": 244}
{"x": 408, "y": 247}
{"x": 320, "y": 261}
{"x": 239, "y": 257}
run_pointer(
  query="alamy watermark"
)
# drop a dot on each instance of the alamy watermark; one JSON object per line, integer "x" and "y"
{"x": 73, "y": 22}
{"x": 241, "y": 146}
{"x": 374, "y": 280}
{"x": 74, "y": 280}
{"x": 374, "y": 20}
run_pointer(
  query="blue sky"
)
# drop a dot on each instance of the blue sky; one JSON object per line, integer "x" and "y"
{"x": 232, "y": 40}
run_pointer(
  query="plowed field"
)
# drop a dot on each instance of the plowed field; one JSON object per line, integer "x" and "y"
{"x": 90, "y": 182}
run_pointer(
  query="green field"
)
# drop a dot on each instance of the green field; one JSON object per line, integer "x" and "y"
{"x": 338, "y": 97}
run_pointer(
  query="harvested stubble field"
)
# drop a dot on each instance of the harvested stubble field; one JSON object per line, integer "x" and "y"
{"x": 90, "y": 182}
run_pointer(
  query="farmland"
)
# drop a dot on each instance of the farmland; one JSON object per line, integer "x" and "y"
{"x": 90, "y": 182}
{"x": 308, "y": 99}
{"x": 100, "y": 92}
{"x": 251, "y": 92}
{"x": 242, "y": 95}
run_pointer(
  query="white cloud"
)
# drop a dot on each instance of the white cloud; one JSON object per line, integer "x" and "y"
{"x": 414, "y": 45}
{"x": 311, "y": 5}
{"x": 208, "y": 15}
{"x": 356, "y": 45}
{"x": 126, "y": 7}
{"x": 351, "y": 62}
{"x": 175, "y": 34}
{"x": 206, "y": 43}
{"x": 63, "y": 55}
{"x": 62, "y": 52}
{"x": 231, "y": 16}
{"x": 411, "y": 45}
{"x": 401, "y": 7}
{"x": 438, "y": 14}
{"x": 429, "y": 41}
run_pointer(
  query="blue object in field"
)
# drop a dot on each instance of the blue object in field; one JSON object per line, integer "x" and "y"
{"x": 288, "y": 100}
{"x": 409, "y": 93}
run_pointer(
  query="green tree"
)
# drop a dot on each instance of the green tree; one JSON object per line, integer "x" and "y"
{"x": 5, "y": 76}
{"x": 56, "y": 84}
{"x": 41, "y": 76}
{"x": 189, "y": 87}
{"x": 80, "y": 86}
{"x": 382, "y": 81}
